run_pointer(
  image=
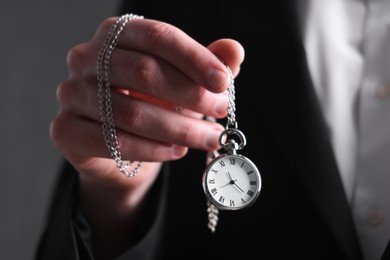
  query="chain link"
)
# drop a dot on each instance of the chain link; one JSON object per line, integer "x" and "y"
{"x": 231, "y": 117}
{"x": 104, "y": 94}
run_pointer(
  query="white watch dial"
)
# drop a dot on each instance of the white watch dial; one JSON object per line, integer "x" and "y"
{"x": 232, "y": 182}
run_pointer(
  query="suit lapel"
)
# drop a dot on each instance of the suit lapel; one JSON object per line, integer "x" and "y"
{"x": 294, "y": 116}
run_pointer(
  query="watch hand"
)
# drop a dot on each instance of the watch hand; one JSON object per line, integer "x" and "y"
{"x": 225, "y": 185}
{"x": 237, "y": 186}
{"x": 230, "y": 177}
{"x": 231, "y": 182}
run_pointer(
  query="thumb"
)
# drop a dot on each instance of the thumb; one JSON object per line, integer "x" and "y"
{"x": 230, "y": 52}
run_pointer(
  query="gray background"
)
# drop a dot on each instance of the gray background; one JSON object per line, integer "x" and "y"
{"x": 35, "y": 37}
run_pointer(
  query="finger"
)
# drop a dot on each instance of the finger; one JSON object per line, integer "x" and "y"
{"x": 154, "y": 77}
{"x": 70, "y": 92}
{"x": 174, "y": 47}
{"x": 149, "y": 121}
{"x": 135, "y": 116}
{"x": 162, "y": 103}
{"x": 80, "y": 138}
{"x": 230, "y": 52}
{"x": 149, "y": 75}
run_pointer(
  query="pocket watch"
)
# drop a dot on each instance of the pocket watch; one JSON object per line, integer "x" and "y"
{"x": 231, "y": 181}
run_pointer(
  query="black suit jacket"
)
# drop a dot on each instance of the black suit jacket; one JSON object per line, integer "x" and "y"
{"x": 302, "y": 211}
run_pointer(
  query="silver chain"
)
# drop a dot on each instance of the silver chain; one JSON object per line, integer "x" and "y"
{"x": 212, "y": 211}
{"x": 104, "y": 94}
{"x": 231, "y": 117}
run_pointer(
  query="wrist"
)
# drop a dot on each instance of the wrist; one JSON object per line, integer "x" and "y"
{"x": 114, "y": 205}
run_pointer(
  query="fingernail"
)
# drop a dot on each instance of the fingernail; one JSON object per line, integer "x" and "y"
{"x": 179, "y": 151}
{"x": 217, "y": 79}
{"x": 212, "y": 139}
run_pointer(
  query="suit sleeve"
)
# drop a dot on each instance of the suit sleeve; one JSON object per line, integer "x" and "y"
{"x": 66, "y": 235}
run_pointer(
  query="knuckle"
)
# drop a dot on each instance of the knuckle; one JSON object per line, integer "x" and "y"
{"x": 66, "y": 91}
{"x": 132, "y": 114}
{"x": 197, "y": 95}
{"x": 157, "y": 32}
{"x": 154, "y": 153}
{"x": 63, "y": 93}
{"x": 58, "y": 131}
{"x": 105, "y": 26}
{"x": 77, "y": 57}
{"x": 185, "y": 132}
{"x": 76, "y": 96}
{"x": 145, "y": 72}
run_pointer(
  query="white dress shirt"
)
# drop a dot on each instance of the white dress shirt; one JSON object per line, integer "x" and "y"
{"x": 348, "y": 52}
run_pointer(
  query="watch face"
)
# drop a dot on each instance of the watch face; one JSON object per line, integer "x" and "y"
{"x": 231, "y": 182}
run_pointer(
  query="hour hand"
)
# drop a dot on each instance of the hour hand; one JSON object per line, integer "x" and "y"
{"x": 229, "y": 183}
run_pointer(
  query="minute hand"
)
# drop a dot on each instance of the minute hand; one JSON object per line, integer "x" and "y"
{"x": 237, "y": 186}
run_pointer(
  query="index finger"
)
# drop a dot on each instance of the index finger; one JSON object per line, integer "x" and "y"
{"x": 174, "y": 47}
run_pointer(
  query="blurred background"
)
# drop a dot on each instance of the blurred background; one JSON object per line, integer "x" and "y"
{"x": 35, "y": 38}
